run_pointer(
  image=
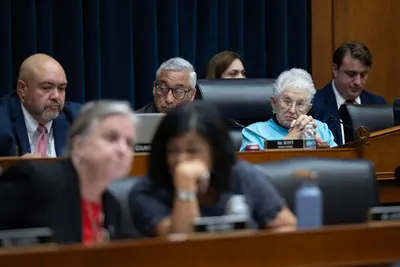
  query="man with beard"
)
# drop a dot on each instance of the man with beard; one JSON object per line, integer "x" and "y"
{"x": 175, "y": 84}
{"x": 352, "y": 62}
{"x": 35, "y": 118}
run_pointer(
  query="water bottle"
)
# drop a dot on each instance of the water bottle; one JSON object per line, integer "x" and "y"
{"x": 237, "y": 205}
{"x": 309, "y": 137}
{"x": 239, "y": 212}
{"x": 308, "y": 201}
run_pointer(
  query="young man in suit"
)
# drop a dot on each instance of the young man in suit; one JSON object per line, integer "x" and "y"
{"x": 352, "y": 62}
{"x": 35, "y": 118}
{"x": 175, "y": 84}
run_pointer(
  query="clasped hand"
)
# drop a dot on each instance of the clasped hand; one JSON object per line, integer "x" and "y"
{"x": 298, "y": 126}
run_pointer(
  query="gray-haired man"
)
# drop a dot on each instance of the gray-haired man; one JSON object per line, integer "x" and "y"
{"x": 175, "y": 84}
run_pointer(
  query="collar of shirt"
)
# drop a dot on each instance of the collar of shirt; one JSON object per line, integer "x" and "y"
{"x": 339, "y": 99}
{"x": 32, "y": 124}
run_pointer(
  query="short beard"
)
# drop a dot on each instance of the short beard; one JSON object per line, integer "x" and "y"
{"x": 47, "y": 115}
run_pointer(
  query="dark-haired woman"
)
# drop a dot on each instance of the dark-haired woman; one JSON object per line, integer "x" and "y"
{"x": 225, "y": 65}
{"x": 193, "y": 172}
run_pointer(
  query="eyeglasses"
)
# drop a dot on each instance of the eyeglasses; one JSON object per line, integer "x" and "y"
{"x": 178, "y": 93}
{"x": 288, "y": 103}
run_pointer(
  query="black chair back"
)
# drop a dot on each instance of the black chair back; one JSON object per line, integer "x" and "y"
{"x": 244, "y": 100}
{"x": 396, "y": 111}
{"x": 118, "y": 219}
{"x": 349, "y": 186}
{"x": 375, "y": 116}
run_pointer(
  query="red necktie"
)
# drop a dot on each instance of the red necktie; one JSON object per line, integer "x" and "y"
{"x": 41, "y": 142}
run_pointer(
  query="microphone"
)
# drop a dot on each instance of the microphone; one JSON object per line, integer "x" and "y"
{"x": 233, "y": 122}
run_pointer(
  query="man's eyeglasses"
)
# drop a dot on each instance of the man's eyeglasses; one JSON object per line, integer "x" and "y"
{"x": 178, "y": 93}
{"x": 288, "y": 103}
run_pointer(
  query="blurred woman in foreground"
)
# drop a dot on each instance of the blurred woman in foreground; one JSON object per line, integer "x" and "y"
{"x": 65, "y": 195}
{"x": 193, "y": 172}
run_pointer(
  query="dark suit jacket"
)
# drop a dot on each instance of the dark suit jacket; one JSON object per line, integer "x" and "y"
{"x": 325, "y": 106}
{"x": 13, "y": 131}
{"x": 46, "y": 194}
{"x": 149, "y": 108}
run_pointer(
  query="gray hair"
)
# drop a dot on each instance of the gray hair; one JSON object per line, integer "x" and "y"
{"x": 181, "y": 65}
{"x": 93, "y": 113}
{"x": 295, "y": 78}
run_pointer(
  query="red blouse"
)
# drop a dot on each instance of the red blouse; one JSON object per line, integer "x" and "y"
{"x": 92, "y": 221}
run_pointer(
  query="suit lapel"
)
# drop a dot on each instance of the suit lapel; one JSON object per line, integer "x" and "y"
{"x": 19, "y": 126}
{"x": 60, "y": 126}
{"x": 331, "y": 106}
{"x": 366, "y": 99}
{"x": 73, "y": 198}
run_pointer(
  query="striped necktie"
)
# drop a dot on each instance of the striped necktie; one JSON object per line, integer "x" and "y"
{"x": 41, "y": 142}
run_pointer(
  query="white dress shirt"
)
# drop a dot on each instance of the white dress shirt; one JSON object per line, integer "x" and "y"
{"x": 33, "y": 134}
{"x": 340, "y": 101}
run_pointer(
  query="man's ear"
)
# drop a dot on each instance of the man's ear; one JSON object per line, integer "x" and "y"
{"x": 21, "y": 90}
{"x": 154, "y": 89}
{"x": 335, "y": 70}
{"x": 194, "y": 90}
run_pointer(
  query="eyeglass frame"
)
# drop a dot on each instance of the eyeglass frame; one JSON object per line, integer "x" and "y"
{"x": 297, "y": 107}
{"x": 173, "y": 90}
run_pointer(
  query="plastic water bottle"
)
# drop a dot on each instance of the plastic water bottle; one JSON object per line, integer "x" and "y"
{"x": 237, "y": 205}
{"x": 309, "y": 137}
{"x": 308, "y": 201}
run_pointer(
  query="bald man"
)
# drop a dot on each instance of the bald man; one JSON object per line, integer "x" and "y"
{"x": 34, "y": 119}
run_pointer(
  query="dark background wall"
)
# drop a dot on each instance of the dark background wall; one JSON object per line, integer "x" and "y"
{"x": 112, "y": 48}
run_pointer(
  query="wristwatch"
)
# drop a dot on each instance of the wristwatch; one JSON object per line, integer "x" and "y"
{"x": 186, "y": 195}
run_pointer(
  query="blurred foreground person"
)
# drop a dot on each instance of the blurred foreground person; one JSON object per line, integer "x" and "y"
{"x": 193, "y": 172}
{"x": 65, "y": 195}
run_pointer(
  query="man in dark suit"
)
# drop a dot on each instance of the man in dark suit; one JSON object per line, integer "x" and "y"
{"x": 352, "y": 62}
{"x": 175, "y": 84}
{"x": 34, "y": 119}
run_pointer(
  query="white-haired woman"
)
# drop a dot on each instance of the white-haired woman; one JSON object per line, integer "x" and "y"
{"x": 65, "y": 195}
{"x": 293, "y": 92}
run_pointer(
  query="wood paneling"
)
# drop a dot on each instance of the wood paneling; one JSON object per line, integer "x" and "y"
{"x": 356, "y": 245}
{"x": 321, "y": 41}
{"x": 373, "y": 22}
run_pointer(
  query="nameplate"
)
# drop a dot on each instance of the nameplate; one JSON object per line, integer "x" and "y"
{"x": 384, "y": 213}
{"x": 25, "y": 237}
{"x": 284, "y": 144}
{"x": 220, "y": 224}
{"x": 142, "y": 148}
